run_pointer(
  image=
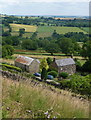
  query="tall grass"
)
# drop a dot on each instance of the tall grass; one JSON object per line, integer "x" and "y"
{"x": 21, "y": 99}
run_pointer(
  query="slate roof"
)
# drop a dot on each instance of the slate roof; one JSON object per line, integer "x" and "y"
{"x": 64, "y": 62}
{"x": 25, "y": 60}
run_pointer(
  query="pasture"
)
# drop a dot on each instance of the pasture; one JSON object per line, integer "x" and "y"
{"x": 43, "y": 31}
{"x": 46, "y": 31}
{"x": 28, "y": 28}
{"x": 87, "y": 29}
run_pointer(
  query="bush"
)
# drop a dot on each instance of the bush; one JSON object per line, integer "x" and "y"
{"x": 78, "y": 84}
{"x": 63, "y": 75}
{"x": 53, "y": 73}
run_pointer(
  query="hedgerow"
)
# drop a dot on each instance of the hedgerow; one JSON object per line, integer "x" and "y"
{"x": 12, "y": 67}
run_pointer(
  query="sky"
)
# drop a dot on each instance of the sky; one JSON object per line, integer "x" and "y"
{"x": 45, "y": 7}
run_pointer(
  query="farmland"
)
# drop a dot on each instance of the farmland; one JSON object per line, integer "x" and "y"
{"x": 87, "y": 29}
{"x": 43, "y": 31}
{"x": 28, "y": 28}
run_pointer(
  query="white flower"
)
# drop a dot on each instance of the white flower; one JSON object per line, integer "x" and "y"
{"x": 46, "y": 113}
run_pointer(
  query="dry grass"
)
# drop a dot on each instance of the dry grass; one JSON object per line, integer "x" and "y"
{"x": 28, "y": 28}
{"x": 21, "y": 96}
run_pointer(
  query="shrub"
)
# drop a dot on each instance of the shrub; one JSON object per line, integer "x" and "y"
{"x": 53, "y": 73}
{"x": 63, "y": 75}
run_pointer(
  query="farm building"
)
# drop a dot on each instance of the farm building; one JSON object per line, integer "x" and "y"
{"x": 28, "y": 64}
{"x": 64, "y": 65}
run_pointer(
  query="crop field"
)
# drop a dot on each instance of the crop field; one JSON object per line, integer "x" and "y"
{"x": 28, "y": 28}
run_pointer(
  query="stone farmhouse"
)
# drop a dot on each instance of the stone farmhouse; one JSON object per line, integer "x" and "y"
{"x": 64, "y": 65}
{"x": 28, "y": 64}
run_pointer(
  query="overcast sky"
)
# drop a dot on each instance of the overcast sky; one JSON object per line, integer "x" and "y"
{"x": 45, "y": 7}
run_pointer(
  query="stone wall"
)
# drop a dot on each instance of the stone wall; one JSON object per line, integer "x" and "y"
{"x": 70, "y": 69}
{"x": 34, "y": 67}
{"x": 33, "y": 83}
{"x": 12, "y": 75}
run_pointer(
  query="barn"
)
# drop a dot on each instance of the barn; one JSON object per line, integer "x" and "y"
{"x": 64, "y": 65}
{"x": 27, "y": 64}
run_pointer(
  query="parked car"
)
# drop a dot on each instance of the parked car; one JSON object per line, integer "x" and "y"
{"x": 50, "y": 77}
{"x": 37, "y": 74}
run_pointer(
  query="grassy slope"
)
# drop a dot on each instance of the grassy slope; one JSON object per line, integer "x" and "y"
{"x": 20, "y": 98}
{"x": 43, "y": 31}
{"x": 28, "y": 28}
{"x": 87, "y": 29}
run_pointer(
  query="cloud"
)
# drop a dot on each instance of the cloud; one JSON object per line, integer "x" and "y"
{"x": 10, "y": 2}
{"x": 21, "y": 7}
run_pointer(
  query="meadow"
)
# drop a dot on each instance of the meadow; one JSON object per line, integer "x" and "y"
{"x": 43, "y": 31}
{"x": 87, "y": 29}
{"x": 28, "y": 28}
{"x": 25, "y": 100}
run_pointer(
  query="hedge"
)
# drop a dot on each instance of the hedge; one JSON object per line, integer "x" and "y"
{"x": 12, "y": 67}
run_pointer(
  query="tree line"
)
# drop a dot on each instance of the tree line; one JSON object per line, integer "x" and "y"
{"x": 49, "y": 21}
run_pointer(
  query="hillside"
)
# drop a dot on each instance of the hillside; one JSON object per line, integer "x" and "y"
{"x": 29, "y": 100}
{"x": 43, "y": 31}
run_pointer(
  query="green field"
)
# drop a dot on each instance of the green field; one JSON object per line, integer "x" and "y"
{"x": 44, "y": 31}
{"x": 87, "y": 29}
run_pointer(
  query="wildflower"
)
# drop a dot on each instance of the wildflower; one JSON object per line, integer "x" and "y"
{"x": 46, "y": 113}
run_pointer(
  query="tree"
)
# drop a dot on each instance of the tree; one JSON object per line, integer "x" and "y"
{"x": 52, "y": 48}
{"x": 7, "y": 40}
{"x": 15, "y": 40}
{"x": 87, "y": 66}
{"x": 7, "y": 50}
{"x": 7, "y": 33}
{"x": 86, "y": 50}
{"x": 29, "y": 44}
{"x": 66, "y": 46}
{"x": 55, "y": 35}
{"x": 21, "y": 31}
{"x": 34, "y": 35}
{"x": 44, "y": 74}
{"x": 4, "y": 52}
{"x": 49, "y": 60}
{"x": 44, "y": 64}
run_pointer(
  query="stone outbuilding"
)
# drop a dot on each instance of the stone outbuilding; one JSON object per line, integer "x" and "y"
{"x": 27, "y": 64}
{"x": 64, "y": 65}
